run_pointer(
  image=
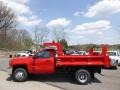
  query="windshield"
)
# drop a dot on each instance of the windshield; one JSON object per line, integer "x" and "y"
{"x": 112, "y": 53}
{"x": 80, "y": 52}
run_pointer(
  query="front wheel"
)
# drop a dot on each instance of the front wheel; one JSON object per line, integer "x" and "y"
{"x": 82, "y": 76}
{"x": 20, "y": 75}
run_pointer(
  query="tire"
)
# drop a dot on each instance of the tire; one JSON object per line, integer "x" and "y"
{"x": 20, "y": 75}
{"x": 83, "y": 76}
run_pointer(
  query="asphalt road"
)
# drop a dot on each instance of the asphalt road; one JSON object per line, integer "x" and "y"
{"x": 7, "y": 84}
{"x": 4, "y": 64}
{"x": 109, "y": 80}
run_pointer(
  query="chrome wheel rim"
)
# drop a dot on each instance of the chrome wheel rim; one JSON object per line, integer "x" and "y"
{"x": 19, "y": 75}
{"x": 82, "y": 77}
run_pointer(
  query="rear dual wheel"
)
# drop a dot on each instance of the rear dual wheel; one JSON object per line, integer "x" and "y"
{"x": 83, "y": 76}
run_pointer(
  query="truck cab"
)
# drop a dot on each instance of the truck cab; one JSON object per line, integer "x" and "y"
{"x": 44, "y": 62}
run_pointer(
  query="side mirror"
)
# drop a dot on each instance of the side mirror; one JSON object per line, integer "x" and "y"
{"x": 30, "y": 55}
{"x": 34, "y": 57}
{"x": 10, "y": 56}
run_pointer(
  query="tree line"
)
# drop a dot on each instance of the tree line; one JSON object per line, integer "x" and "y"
{"x": 10, "y": 37}
{"x": 95, "y": 46}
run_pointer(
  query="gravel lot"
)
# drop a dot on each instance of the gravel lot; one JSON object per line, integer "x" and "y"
{"x": 109, "y": 80}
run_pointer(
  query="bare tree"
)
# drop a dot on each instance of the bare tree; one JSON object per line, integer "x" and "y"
{"x": 10, "y": 37}
{"x": 59, "y": 33}
{"x": 19, "y": 40}
{"x": 24, "y": 39}
{"x": 7, "y": 22}
{"x": 40, "y": 35}
{"x": 7, "y": 17}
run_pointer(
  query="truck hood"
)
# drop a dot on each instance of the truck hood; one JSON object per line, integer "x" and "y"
{"x": 21, "y": 60}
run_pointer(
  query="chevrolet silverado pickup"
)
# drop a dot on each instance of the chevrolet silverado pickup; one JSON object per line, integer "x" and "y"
{"x": 52, "y": 59}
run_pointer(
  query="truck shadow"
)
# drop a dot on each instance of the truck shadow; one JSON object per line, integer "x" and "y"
{"x": 9, "y": 79}
{"x": 112, "y": 68}
{"x": 55, "y": 78}
{"x": 58, "y": 78}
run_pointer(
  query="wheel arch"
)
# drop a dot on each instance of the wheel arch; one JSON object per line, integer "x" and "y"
{"x": 20, "y": 66}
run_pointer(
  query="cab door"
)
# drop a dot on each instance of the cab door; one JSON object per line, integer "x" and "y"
{"x": 44, "y": 62}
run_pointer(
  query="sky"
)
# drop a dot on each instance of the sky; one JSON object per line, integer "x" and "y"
{"x": 84, "y": 21}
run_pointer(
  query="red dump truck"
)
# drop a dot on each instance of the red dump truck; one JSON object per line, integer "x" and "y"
{"x": 52, "y": 59}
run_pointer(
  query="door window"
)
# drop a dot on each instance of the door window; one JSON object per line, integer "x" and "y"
{"x": 43, "y": 54}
